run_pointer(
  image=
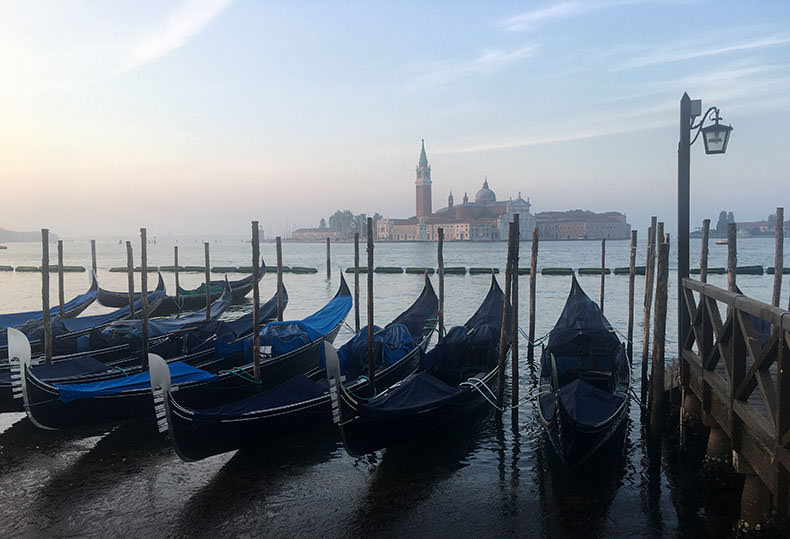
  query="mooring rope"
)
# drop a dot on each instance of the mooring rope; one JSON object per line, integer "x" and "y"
{"x": 241, "y": 373}
{"x": 120, "y": 369}
{"x": 366, "y": 379}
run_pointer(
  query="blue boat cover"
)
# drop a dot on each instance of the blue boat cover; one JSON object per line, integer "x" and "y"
{"x": 396, "y": 342}
{"x": 292, "y": 391}
{"x": 84, "y": 323}
{"x": 587, "y": 404}
{"x": 180, "y": 373}
{"x": 15, "y": 319}
{"x": 416, "y": 393}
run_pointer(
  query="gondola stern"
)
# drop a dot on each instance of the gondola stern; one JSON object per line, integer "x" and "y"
{"x": 160, "y": 389}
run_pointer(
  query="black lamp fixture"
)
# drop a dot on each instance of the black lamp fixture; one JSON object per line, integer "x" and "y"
{"x": 715, "y": 136}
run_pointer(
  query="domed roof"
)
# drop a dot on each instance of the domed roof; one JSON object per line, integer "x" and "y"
{"x": 485, "y": 195}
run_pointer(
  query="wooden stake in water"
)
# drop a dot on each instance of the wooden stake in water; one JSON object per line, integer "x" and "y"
{"x": 45, "y": 295}
{"x": 256, "y": 302}
{"x": 631, "y": 293}
{"x": 514, "y": 318}
{"x": 61, "y": 291}
{"x": 208, "y": 281}
{"x": 732, "y": 255}
{"x": 178, "y": 284}
{"x": 356, "y": 282}
{"x": 279, "y": 246}
{"x": 503, "y": 342}
{"x": 144, "y": 295}
{"x": 533, "y": 271}
{"x": 779, "y": 256}
{"x": 648, "y": 304}
{"x": 130, "y": 277}
{"x": 440, "y": 261}
{"x": 659, "y": 335}
{"x": 603, "y": 266}
{"x": 328, "y": 262}
{"x": 371, "y": 351}
{"x": 703, "y": 256}
{"x": 93, "y": 256}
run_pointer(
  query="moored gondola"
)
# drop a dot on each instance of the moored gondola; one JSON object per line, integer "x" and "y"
{"x": 209, "y": 376}
{"x": 71, "y": 308}
{"x": 584, "y": 381}
{"x": 454, "y": 378}
{"x": 301, "y": 403}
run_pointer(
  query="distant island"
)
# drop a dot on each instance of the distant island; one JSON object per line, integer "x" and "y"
{"x": 10, "y": 236}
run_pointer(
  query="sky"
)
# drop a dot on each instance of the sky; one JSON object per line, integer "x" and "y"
{"x": 195, "y": 117}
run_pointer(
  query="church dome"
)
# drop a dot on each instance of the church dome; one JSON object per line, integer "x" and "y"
{"x": 485, "y": 195}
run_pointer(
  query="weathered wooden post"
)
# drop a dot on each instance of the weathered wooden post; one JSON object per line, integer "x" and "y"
{"x": 93, "y": 256}
{"x": 659, "y": 336}
{"x": 779, "y": 255}
{"x": 371, "y": 351}
{"x": 533, "y": 271}
{"x": 649, "y": 271}
{"x": 208, "y": 281}
{"x": 178, "y": 285}
{"x": 732, "y": 256}
{"x": 144, "y": 294}
{"x": 603, "y": 269}
{"x": 328, "y": 262}
{"x": 61, "y": 291}
{"x": 440, "y": 261}
{"x": 45, "y": 295}
{"x": 703, "y": 256}
{"x": 356, "y": 282}
{"x": 130, "y": 277}
{"x": 256, "y": 302}
{"x": 503, "y": 342}
{"x": 514, "y": 319}
{"x": 279, "y": 246}
{"x": 631, "y": 294}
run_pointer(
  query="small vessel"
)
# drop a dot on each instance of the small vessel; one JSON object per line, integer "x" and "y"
{"x": 721, "y": 242}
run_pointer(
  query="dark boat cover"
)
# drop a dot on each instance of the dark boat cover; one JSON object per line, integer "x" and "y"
{"x": 15, "y": 319}
{"x": 585, "y": 403}
{"x": 179, "y": 373}
{"x": 395, "y": 340}
{"x": 418, "y": 392}
{"x": 76, "y": 367}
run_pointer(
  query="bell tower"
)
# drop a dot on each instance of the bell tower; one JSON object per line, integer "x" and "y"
{"x": 423, "y": 184}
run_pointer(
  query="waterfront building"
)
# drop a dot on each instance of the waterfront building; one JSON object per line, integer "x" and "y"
{"x": 582, "y": 225}
{"x": 484, "y": 219}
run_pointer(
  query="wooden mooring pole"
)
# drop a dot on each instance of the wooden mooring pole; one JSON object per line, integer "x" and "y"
{"x": 93, "y": 257}
{"x": 45, "y": 295}
{"x": 649, "y": 271}
{"x": 208, "y": 280}
{"x": 732, "y": 255}
{"x": 279, "y": 247}
{"x": 503, "y": 342}
{"x": 603, "y": 269}
{"x": 371, "y": 351}
{"x": 61, "y": 291}
{"x": 328, "y": 261}
{"x": 256, "y": 302}
{"x": 533, "y": 271}
{"x": 144, "y": 295}
{"x": 440, "y": 261}
{"x": 130, "y": 277}
{"x": 356, "y": 282}
{"x": 703, "y": 256}
{"x": 659, "y": 341}
{"x": 779, "y": 255}
{"x": 178, "y": 285}
{"x": 631, "y": 294}
{"x": 514, "y": 319}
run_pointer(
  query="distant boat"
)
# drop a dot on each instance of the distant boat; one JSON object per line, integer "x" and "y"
{"x": 3, "y": 247}
{"x": 721, "y": 242}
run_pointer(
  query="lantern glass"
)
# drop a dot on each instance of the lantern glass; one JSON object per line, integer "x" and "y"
{"x": 716, "y": 137}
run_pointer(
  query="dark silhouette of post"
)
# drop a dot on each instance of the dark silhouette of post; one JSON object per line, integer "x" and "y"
{"x": 279, "y": 246}
{"x": 208, "y": 281}
{"x": 732, "y": 255}
{"x": 356, "y": 282}
{"x": 130, "y": 277}
{"x": 61, "y": 291}
{"x": 371, "y": 351}
{"x": 684, "y": 156}
{"x": 93, "y": 256}
{"x": 503, "y": 342}
{"x": 533, "y": 270}
{"x": 703, "y": 256}
{"x": 440, "y": 261}
{"x": 631, "y": 294}
{"x": 256, "y": 302}
{"x": 144, "y": 295}
{"x": 603, "y": 269}
{"x": 659, "y": 340}
{"x": 328, "y": 262}
{"x": 45, "y": 319}
{"x": 648, "y": 304}
{"x": 178, "y": 285}
{"x": 779, "y": 255}
{"x": 514, "y": 318}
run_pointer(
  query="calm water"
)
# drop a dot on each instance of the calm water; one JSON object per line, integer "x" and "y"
{"x": 495, "y": 477}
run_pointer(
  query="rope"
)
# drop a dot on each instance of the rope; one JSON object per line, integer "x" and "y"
{"x": 120, "y": 369}
{"x": 241, "y": 373}
{"x": 632, "y": 394}
{"x": 366, "y": 379}
{"x": 537, "y": 341}
{"x": 479, "y": 387}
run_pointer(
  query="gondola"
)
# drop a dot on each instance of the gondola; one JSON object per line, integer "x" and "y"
{"x": 209, "y": 376}
{"x": 454, "y": 378}
{"x": 115, "y": 350}
{"x": 71, "y": 309}
{"x": 301, "y": 403}
{"x": 66, "y": 332}
{"x": 585, "y": 377}
{"x": 186, "y": 300}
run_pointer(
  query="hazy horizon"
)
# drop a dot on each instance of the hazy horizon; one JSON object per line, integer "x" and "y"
{"x": 195, "y": 117}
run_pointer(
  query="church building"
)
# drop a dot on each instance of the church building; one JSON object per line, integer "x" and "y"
{"x": 484, "y": 219}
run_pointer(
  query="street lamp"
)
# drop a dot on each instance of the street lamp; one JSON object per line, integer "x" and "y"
{"x": 714, "y": 136}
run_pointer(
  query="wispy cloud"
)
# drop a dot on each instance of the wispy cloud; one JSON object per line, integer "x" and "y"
{"x": 179, "y": 28}
{"x": 697, "y": 50}
{"x": 564, "y": 10}
{"x": 487, "y": 63}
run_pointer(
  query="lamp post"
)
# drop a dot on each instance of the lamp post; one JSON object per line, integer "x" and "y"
{"x": 715, "y": 137}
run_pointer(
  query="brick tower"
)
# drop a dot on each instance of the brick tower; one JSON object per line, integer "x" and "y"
{"x": 423, "y": 184}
